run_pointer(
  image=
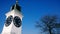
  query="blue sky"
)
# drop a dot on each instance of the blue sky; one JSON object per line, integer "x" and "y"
{"x": 32, "y": 10}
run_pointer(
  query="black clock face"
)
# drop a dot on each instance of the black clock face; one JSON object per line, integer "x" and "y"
{"x": 8, "y": 20}
{"x": 17, "y": 21}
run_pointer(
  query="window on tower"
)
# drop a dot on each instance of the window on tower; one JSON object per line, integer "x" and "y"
{"x": 17, "y": 21}
{"x": 8, "y": 20}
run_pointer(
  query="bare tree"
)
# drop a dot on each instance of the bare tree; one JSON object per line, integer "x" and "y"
{"x": 48, "y": 23}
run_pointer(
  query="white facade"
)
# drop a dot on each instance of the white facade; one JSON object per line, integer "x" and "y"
{"x": 12, "y": 29}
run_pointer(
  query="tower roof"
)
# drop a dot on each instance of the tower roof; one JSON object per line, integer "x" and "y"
{"x": 16, "y": 6}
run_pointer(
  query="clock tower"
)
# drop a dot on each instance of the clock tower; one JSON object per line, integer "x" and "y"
{"x": 13, "y": 23}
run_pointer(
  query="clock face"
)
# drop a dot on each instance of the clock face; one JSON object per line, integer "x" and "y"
{"x": 17, "y": 21}
{"x": 8, "y": 20}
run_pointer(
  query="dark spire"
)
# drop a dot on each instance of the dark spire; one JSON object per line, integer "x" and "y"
{"x": 16, "y": 6}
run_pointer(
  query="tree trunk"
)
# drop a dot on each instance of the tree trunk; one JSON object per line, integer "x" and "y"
{"x": 50, "y": 31}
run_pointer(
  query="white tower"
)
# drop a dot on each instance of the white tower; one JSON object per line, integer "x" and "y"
{"x": 13, "y": 23}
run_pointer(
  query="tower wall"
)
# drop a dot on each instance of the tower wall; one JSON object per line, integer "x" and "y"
{"x": 12, "y": 29}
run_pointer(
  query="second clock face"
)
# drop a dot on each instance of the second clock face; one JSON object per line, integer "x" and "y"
{"x": 17, "y": 21}
{"x": 8, "y": 20}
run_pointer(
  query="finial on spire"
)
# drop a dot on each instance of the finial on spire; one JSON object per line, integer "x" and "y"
{"x": 16, "y": 1}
